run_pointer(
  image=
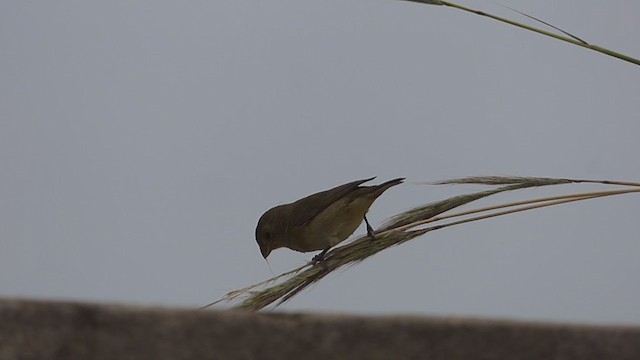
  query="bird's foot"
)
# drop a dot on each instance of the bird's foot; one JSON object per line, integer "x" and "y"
{"x": 320, "y": 259}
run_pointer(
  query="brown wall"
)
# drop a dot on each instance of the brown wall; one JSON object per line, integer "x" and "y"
{"x": 54, "y": 330}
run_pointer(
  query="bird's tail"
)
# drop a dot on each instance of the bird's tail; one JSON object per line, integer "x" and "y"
{"x": 385, "y": 185}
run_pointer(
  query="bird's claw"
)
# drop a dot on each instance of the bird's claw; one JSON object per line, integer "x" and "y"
{"x": 319, "y": 259}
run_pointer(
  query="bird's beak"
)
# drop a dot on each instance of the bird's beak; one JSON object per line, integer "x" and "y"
{"x": 265, "y": 250}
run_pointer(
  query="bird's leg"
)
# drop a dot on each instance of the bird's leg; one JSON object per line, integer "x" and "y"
{"x": 320, "y": 259}
{"x": 370, "y": 232}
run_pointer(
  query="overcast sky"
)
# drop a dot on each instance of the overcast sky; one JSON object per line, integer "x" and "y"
{"x": 141, "y": 141}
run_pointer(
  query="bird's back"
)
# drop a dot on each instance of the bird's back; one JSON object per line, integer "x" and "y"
{"x": 339, "y": 219}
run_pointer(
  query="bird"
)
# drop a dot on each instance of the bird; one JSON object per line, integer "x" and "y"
{"x": 321, "y": 220}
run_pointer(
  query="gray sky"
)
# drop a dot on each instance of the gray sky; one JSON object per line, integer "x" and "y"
{"x": 140, "y": 142}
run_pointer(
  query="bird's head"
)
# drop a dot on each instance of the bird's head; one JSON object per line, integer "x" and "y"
{"x": 268, "y": 232}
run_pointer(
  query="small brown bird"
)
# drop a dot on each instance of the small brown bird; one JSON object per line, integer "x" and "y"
{"x": 319, "y": 221}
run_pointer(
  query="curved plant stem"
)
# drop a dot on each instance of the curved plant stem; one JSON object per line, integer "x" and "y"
{"x": 407, "y": 226}
{"x": 571, "y": 40}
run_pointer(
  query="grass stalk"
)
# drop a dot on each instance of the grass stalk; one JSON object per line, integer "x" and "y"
{"x": 569, "y": 39}
{"x": 407, "y": 226}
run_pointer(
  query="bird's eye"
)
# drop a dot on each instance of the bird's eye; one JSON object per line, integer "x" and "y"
{"x": 267, "y": 235}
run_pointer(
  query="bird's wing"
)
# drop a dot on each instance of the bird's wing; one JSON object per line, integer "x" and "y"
{"x": 309, "y": 207}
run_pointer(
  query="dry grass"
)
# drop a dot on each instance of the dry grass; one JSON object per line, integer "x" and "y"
{"x": 409, "y": 225}
{"x": 568, "y": 38}
{"x": 419, "y": 221}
